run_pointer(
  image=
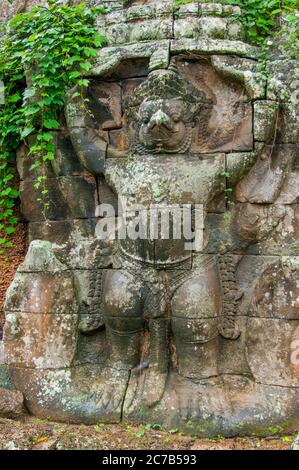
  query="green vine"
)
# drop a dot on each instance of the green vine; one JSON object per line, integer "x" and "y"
{"x": 273, "y": 26}
{"x": 43, "y": 53}
{"x": 262, "y": 18}
{"x": 226, "y": 186}
{"x": 178, "y": 3}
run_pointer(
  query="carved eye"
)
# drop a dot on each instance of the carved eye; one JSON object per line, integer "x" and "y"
{"x": 175, "y": 112}
{"x": 145, "y": 114}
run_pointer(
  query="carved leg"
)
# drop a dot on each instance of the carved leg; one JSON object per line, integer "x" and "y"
{"x": 157, "y": 373}
{"x": 123, "y": 345}
{"x": 156, "y": 308}
{"x": 122, "y": 312}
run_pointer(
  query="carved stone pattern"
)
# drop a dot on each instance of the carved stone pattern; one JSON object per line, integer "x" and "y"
{"x": 231, "y": 296}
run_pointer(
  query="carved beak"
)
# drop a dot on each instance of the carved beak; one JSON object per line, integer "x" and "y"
{"x": 160, "y": 119}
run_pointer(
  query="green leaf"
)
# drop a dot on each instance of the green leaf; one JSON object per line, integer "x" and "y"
{"x": 53, "y": 45}
{"x": 30, "y": 110}
{"x": 51, "y": 124}
{"x": 14, "y": 98}
{"x": 10, "y": 230}
{"x": 84, "y": 82}
{"x": 27, "y": 131}
{"x": 46, "y": 136}
{"x": 85, "y": 66}
{"x": 74, "y": 75}
{"x": 99, "y": 40}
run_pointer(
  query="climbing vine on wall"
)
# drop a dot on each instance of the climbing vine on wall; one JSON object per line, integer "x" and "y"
{"x": 261, "y": 18}
{"x": 42, "y": 54}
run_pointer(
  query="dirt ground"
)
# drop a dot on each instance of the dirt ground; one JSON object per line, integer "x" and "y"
{"x": 36, "y": 434}
{"x": 9, "y": 263}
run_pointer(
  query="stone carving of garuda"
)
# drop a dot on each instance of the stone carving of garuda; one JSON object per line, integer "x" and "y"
{"x": 157, "y": 286}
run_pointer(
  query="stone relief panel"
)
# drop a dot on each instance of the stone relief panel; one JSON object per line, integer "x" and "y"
{"x": 228, "y": 128}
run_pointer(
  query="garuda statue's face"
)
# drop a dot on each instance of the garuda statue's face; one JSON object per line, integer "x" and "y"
{"x": 162, "y": 110}
{"x": 163, "y": 126}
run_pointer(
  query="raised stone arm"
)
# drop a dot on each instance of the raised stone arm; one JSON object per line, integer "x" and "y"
{"x": 88, "y": 144}
{"x": 259, "y": 207}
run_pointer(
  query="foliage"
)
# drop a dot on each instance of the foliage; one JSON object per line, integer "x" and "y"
{"x": 226, "y": 186}
{"x": 178, "y": 3}
{"x": 49, "y": 49}
{"x": 261, "y": 18}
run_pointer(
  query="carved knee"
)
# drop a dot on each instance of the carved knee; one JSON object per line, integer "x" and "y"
{"x": 122, "y": 302}
{"x": 196, "y": 306}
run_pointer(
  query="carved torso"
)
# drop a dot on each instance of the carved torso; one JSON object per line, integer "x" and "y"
{"x": 168, "y": 179}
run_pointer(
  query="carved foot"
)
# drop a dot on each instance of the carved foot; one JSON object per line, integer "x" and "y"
{"x": 109, "y": 391}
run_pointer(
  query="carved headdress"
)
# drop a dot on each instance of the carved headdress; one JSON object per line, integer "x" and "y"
{"x": 166, "y": 84}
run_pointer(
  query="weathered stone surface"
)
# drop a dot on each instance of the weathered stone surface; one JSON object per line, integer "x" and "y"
{"x": 59, "y": 287}
{"x": 66, "y": 162}
{"x": 265, "y": 119}
{"x": 295, "y": 445}
{"x": 229, "y": 106}
{"x": 282, "y": 238}
{"x": 41, "y": 302}
{"x": 243, "y": 71}
{"x": 119, "y": 143}
{"x": 187, "y": 10}
{"x": 106, "y": 104}
{"x": 159, "y": 185}
{"x": 9, "y": 9}
{"x": 254, "y": 406}
{"x": 214, "y": 46}
{"x": 187, "y": 28}
{"x": 289, "y": 193}
{"x": 11, "y": 404}
{"x": 269, "y": 351}
{"x": 65, "y": 393}
{"x": 5, "y": 379}
{"x": 271, "y": 301}
{"x": 60, "y": 231}
{"x": 264, "y": 182}
{"x": 239, "y": 164}
{"x": 104, "y": 324}
{"x": 234, "y": 30}
{"x": 25, "y": 162}
{"x": 214, "y": 28}
{"x": 59, "y": 332}
{"x": 68, "y": 197}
